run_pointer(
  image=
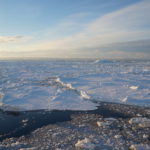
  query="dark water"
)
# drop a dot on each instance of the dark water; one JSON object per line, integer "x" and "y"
{"x": 15, "y": 124}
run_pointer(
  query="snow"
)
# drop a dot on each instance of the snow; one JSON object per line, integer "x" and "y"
{"x": 73, "y": 84}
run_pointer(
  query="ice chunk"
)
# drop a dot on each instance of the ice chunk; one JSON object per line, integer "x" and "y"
{"x": 96, "y": 61}
{"x": 69, "y": 86}
{"x": 102, "y": 61}
{"x": 85, "y": 144}
{"x": 84, "y": 95}
{"x": 99, "y": 123}
{"x": 140, "y": 121}
{"x": 140, "y": 147}
{"x": 124, "y": 100}
{"x": 24, "y": 120}
{"x": 134, "y": 87}
{"x": 65, "y": 85}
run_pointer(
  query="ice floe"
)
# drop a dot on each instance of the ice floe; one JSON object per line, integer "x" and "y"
{"x": 36, "y": 85}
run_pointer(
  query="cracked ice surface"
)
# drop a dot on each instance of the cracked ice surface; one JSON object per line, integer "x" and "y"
{"x": 72, "y": 84}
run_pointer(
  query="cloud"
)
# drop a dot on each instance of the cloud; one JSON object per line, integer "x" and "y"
{"x": 130, "y": 49}
{"x": 127, "y": 24}
{"x": 122, "y": 33}
{"x": 130, "y": 18}
{"x": 7, "y": 39}
{"x": 132, "y": 46}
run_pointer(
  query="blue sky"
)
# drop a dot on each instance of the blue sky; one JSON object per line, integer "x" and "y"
{"x": 74, "y": 29}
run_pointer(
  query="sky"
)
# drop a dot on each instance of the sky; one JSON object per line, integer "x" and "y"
{"x": 111, "y": 29}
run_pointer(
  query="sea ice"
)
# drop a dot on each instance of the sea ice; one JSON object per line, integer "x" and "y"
{"x": 33, "y": 85}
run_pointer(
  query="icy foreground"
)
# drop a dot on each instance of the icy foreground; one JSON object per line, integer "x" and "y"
{"x": 72, "y": 84}
{"x": 121, "y": 127}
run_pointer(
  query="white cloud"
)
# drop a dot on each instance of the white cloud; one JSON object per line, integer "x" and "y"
{"x": 119, "y": 26}
{"x": 130, "y": 18}
{"x": 7, "y": 39}
{"x": 128, "y": 24}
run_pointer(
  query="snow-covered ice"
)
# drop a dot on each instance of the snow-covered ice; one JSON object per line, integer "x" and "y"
{"x": 73, "y": 84}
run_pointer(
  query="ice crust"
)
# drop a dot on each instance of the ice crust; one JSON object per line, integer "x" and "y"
{"x": 72, "y": 84}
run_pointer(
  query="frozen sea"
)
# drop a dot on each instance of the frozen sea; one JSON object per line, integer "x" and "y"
{"x": 72, "y": 84}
